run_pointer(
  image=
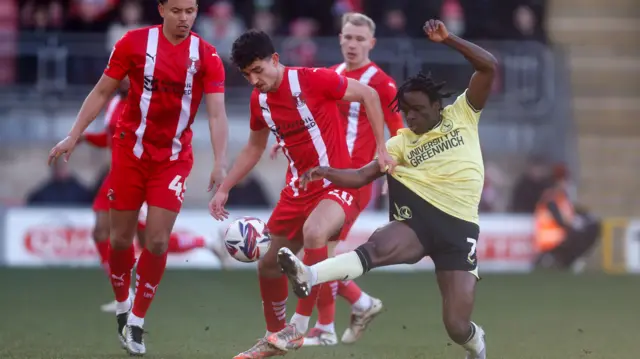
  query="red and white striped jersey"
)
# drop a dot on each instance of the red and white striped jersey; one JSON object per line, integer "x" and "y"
{"x": 167, "y": 85}
{"x": 303, "y": 115}
{"x": 114, "y": 110}
{"x": 359, "y": 135}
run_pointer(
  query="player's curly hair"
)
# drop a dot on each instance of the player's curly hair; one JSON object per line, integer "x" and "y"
{"x": 422, "y": 83}
{"x": 251, "y": 46}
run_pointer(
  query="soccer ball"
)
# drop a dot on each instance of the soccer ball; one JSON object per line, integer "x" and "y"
{"x": 247, "y": 239}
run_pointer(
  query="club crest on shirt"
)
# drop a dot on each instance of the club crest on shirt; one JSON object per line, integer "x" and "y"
{"x": 298, "y": 99}
{"x": 193, "y": 65}
{"x": 446, "y": 126}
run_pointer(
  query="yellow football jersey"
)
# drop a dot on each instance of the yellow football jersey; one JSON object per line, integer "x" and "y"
{"x": 444, "y": 166}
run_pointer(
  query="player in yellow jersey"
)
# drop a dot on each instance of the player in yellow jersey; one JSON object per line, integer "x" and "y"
{"x": 434, "y": 193}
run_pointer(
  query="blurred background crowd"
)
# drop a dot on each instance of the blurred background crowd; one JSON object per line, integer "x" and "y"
{"x": 533, "y": 131}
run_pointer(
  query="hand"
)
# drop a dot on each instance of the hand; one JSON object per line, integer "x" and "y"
{"x": 216, "y": 205}
{"x": 273, "y": 153}
{"x": 217, "y": 176}
{"x": 386, "y": 162}
{"x": 64, "y": 147}
{"x": 435, "y": 30}
{"x": 314, "y": 174}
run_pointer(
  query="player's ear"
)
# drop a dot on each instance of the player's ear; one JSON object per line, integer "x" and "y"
{"x": 275, "y": 59}
{"x": 373, "y": 42}
{"x": 161, "y": 10}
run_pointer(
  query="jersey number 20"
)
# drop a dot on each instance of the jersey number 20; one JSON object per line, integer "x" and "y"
{"x": 344, "y": 196}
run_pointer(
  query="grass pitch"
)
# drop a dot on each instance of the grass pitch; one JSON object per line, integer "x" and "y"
{"x": 54, "y": 314}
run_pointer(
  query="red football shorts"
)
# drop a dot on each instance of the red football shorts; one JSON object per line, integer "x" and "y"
{"x": 134, "y": 181}
{"x": 101, "y": 202}
{"x": 364, "y": 196}
{"x": 287, "y": 219}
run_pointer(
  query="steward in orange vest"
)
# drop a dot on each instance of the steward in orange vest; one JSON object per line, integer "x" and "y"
{"x": 562, "y": 234}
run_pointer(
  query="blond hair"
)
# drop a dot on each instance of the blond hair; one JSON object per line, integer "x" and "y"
{"x": 358, "y": 19}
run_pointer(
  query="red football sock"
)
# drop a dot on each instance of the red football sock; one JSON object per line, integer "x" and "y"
{"x": 311, "y": 256}
{"x": 327, "y": 303}
{"x": 274, "y": 294}
{"x": 121, "y": 263}
{"x": 104, "y": 247}
{"x": 349, "y": 290}
{"x": 148, "y": 275}
{"x": 183, "y": 242}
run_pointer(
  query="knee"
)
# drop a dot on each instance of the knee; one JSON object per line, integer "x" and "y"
{"x": 157, "y": 244}
{"x": 121, "y": 240}
{"x": 100, "y": 233}
{"x": 268, "y": 265}
{"x": 314, "y": 235}
{"x": 458, "y": 328}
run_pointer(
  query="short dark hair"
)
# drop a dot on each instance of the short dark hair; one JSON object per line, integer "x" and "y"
{"x": 251, "y": 46}
{"x": 421, "y": 83}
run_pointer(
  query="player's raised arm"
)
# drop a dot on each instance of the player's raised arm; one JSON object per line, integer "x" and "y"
{"x": 346, "y": 178}
{"x": 482, "y": 61}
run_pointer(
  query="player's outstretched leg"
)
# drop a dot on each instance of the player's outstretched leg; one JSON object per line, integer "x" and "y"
{"x": 324, "y": 222}
{"x": 274, "y": 293}
{"x": 458, "y": 290}
{"x": 395, "y": 243}
{"x": 121, "y": 261}
{"x": 151, "y": 266}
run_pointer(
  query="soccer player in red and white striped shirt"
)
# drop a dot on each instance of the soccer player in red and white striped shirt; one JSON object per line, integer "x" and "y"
{"x": 170, "y": 69}
{"x": 356, "y": 41}
{"x": 300, "y": 107}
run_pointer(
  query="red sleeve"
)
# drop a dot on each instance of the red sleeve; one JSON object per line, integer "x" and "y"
{"x": 120, "y": 61}
{"x": 214, "y": 71}
{"x": 100, "y": 139}
{"x": 256, "y": 122}
{"x": 332, "y": 85}
{"x": 387, "y": 92}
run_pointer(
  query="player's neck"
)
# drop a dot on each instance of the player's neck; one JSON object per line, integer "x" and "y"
{"x": 174, "y": 40}
{"x": 280, "y": 77}
{"x": 359, "y": 65}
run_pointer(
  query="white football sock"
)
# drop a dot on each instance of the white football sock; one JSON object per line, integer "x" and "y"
{"x": 301, "y": 322}
{"x": 329, "y": 328}
{"x": 475, "y": 344}
{"x": 135, "y": 321}
{"x": 363, "y": 303}
{"x": 123, "y": 307}
{"x": 342, "y": 267}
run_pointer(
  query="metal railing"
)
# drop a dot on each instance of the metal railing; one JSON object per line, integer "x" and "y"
{"x": 60, "y": 67}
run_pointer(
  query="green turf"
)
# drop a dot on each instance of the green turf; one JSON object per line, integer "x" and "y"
{"x": 205, "y": 314}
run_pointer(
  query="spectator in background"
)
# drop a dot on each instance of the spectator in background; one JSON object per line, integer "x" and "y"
{"x": 221, "y": 27}
{"x": 91, "y": 15}
{"x": 264, "y": 20}
{"x": 563, "y": 234}
{"x": 130, "y": 18}
{"x": 494, "y": 181}
{"x": 394, "y": 23}
{"x": 61, "y": 189}
{"x": 530, "y": 186}
{"x": 299, "y": 48}
{"x": 520, "y": 19}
